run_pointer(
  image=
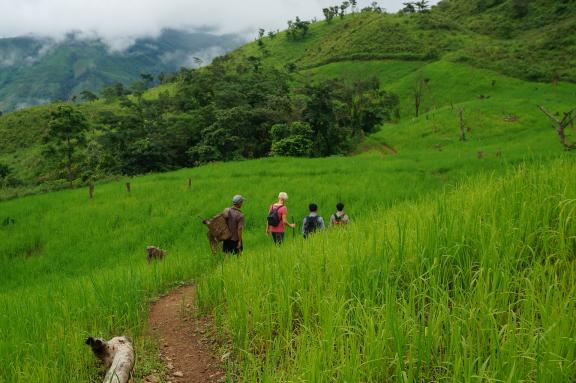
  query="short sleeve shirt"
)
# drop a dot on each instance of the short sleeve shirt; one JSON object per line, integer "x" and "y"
{"x": 235, "y": 221}
{"x": 282, "y": 212}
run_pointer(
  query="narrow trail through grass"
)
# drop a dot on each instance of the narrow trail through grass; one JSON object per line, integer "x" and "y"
{"x": 187, "y": 345}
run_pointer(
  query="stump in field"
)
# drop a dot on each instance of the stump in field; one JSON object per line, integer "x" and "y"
{"x": 117, "y": 355}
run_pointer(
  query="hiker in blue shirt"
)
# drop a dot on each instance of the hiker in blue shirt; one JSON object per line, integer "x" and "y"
{"x": 313, "y": 222}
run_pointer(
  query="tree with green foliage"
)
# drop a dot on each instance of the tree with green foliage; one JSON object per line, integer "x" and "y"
{"x": 5, "y": 170}
{"x": 328, "y": 14}
{"x": 113, "y": 92}
{"x": 369, "y": 106}
{"x": 343, "y": 7}
{"x": 65, "y": 135}
{"x": 293, "y": 140}
{"x": 519, "y": 8}
{"x": 88, "y": 96}
{"x": 408, "y": 8}
{"x": 7, "y": 178}
{"x": 422, "y": 6}
{"x": 298, "y": 29}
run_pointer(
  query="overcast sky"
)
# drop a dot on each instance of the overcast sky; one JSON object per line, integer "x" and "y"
{"x": 118, "y": 21}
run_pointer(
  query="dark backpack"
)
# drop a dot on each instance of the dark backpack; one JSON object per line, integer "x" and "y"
{"x": 310, "y": 225}
{"x": 338, "y": 219}
{"x": 273, "y": 216}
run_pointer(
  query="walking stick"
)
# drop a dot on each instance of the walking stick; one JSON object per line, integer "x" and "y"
{"x": 293, "y": 230}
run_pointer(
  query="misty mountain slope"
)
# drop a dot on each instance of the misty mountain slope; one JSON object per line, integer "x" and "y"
{"x": 38, "y": 70}
{"x": 499, "y": 108}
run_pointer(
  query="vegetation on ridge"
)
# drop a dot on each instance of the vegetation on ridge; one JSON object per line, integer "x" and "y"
{"x": 458, "y": 264}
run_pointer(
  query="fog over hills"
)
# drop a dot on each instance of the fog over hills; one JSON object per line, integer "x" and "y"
{"x": 36, "y": 70}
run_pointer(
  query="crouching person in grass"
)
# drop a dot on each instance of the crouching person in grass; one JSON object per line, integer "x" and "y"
{"x": 313, "y": 222}
{"x": 235, "y": 222}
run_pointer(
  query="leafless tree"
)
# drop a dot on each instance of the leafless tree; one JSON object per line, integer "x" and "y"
{"x": 560, "y": 125}
{"x": 419, "y": 93}
{"x": 462, "y": 125}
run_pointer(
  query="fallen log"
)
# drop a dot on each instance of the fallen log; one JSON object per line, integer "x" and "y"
{"x": 117, "y": 355}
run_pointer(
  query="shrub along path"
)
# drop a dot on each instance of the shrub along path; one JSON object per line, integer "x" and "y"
{"x": 186, "y": 343}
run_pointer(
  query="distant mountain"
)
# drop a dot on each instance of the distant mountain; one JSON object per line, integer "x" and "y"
{"x": 39, "y": 70}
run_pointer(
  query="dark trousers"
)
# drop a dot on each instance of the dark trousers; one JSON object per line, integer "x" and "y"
{"x": 278, "y": 238}
{"x": 231, "y": 246}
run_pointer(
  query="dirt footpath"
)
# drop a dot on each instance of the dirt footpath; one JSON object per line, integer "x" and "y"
{"x": 186, "y": 346}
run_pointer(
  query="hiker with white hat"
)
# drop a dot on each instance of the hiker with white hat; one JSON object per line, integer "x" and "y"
{"x": 277, "y": 219}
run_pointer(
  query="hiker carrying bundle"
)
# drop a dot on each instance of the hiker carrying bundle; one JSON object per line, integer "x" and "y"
{"x": 227, "y": 227}
{"x": 313, "y": 222}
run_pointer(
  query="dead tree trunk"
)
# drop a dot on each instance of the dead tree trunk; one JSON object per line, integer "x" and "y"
{"x": 418, "y": 94}
{"x": 462, "y": 125}
{"x": 117, "y": 355}
{"x": 561, "y": 125}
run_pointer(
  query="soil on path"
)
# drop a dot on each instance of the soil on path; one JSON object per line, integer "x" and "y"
{"x": 186, "y": 346}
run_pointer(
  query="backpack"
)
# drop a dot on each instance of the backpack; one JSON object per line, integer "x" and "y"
{"x": 273, "y": 216}
{"x": 310, "y": 225}
{"x": 338, "y": 219}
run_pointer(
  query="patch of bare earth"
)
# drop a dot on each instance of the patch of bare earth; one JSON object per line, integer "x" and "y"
{"x": 187, "y": 343}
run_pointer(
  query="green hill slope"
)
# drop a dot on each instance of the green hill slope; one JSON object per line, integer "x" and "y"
{"x": 538, "y": 46}
{"x": 458, "y": 264}
{"x": 456, "y": 51}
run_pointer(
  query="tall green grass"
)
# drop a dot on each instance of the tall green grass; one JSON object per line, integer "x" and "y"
{"x": 72, "y": 267}
{"x": 476, "y": 284}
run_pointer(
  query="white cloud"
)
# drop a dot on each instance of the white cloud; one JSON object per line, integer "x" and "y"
{"x": 119, "y": 23}
{"x": 186, "y": 59}
{"x": 16, "y": 57}
{"x": 9, "y": 58}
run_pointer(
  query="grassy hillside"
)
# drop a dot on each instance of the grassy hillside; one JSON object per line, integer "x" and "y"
{"x": 458, "y": 264}
{"x": 500, "y": 114}
{"x": 538, "y": 46}
{"x": 453, "y": 284}
{"x": 459, "y": 49}
{"x": 473, "y": 284}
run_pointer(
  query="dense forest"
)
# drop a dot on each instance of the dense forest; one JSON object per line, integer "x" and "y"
{"x": 220, "y": 113}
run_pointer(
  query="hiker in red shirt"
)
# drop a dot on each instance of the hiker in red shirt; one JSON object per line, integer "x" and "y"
{"x": 277, "y": 221}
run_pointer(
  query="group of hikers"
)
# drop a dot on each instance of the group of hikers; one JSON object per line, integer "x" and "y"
{"x": 232, "y": 221}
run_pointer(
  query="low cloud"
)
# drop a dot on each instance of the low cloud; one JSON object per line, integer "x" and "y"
{"x": 120, "y": 23}
{"x": 10, "y": 57}
{"x": 181, "y": 58}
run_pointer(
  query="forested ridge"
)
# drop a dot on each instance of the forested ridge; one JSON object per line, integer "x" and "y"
{"x": 277, "y": 96}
